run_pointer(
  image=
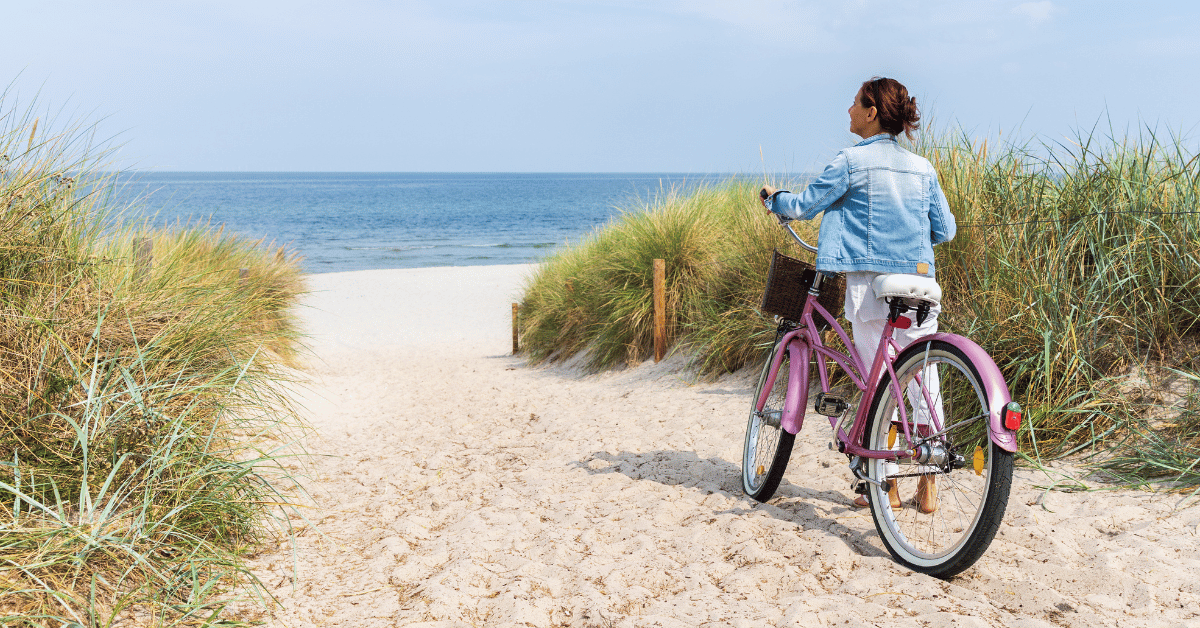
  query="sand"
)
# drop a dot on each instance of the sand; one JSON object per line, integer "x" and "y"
{"x": 455, "y": 485}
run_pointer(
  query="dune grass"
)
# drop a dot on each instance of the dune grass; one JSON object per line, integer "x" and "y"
{"x": 144, "y": 422}
{"x": 1076, "y": 265}
{"x": 592, "y": 298}
{"x": 1081, "y": 267}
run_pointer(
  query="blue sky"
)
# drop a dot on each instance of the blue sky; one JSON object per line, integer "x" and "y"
{"x": 571, "y": 86}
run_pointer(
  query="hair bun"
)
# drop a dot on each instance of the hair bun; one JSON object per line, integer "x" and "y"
{"x": 911, "y": 114}
{"x": 898, "y": 111}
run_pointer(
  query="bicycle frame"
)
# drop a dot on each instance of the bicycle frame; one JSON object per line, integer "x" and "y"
{"x": 801, "y": 344}
{"x": 919, "y": 429}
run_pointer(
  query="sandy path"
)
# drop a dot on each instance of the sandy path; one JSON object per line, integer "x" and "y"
{"x": 460, "y": 487}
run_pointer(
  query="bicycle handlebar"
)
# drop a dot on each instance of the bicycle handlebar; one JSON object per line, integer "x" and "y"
{"x": 786, "y": 222}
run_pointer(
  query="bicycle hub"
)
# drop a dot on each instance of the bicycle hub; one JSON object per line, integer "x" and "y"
{"x": 930, "y": 453}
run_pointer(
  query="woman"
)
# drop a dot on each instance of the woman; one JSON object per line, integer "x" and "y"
{"x": 884, "y": 211}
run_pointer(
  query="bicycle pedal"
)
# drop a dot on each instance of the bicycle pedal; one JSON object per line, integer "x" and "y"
{"x": 860, "y": 488}
{"x": 829, "y": 405}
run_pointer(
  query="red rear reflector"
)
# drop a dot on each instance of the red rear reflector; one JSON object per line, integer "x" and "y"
{"x": 1012, "y": 416}
{"x": 903, "y": 322}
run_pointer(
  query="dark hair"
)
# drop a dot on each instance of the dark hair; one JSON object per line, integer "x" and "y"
{"x": 897, "y": 110}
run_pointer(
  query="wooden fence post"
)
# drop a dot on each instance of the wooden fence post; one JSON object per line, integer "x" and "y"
{"x": 516, "y": 347}
{"x": 660, "y": 309}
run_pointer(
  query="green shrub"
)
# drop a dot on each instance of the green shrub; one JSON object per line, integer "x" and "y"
{"x": 143, "y": 416}
{"x": 1077, "y": 263}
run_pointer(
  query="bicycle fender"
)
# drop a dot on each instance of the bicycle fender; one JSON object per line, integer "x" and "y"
{"x": 797, "y": 388}
{"x": 994, "y": 386}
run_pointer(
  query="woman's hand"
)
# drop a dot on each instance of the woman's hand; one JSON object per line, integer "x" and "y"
{"x": 766, "y": 192}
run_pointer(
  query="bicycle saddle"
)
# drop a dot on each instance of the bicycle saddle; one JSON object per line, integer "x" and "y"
{"x": 908, "y": 287}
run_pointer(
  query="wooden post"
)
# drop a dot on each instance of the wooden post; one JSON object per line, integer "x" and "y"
{"x": 516, "y": 347}
{"x": 660, "y": 310}
{"x": 143, "y": 253}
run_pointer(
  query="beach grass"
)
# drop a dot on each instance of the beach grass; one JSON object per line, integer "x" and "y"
{"x": 1079, "y": 271}
{"x": 1076, "y": 265}
{"x": 591, "y": 297}
{"x": 146, "y": 433}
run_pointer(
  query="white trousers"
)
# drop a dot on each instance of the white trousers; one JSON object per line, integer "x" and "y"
{"x": 868, "y": 316}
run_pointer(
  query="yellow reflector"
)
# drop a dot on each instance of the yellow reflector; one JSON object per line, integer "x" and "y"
{"x": 892, "y": 437}
{"x": 760, "y": 470}
{"x": 978, "y": 460}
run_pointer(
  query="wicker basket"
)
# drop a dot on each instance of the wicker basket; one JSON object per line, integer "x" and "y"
{"x": 788, "y": 281}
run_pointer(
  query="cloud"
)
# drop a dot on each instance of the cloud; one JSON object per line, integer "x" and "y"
{"x": 1037, "y": 12}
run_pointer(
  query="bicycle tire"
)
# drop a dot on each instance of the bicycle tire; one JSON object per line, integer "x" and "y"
{"x": 973, "y": 483}
{"x": 767, "y": 446}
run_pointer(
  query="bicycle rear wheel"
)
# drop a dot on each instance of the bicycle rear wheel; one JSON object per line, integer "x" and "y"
{"x": 768, "y": 447}
{"x": 944, "y": 531}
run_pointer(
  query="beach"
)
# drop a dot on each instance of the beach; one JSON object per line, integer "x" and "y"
{"x": 453, "y": 484}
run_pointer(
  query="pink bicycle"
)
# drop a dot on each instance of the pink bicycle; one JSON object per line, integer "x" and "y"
{"x": 937, "y": 417}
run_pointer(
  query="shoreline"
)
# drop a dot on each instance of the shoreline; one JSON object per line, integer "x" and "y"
{"x": 427, "y": 307}
{"x": 429, "y": 268}
{"x": 417, "y": 268}
{"x": 340, "y": 222}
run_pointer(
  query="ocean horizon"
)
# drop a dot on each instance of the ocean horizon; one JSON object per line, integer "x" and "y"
{"x": 342, "y": 221}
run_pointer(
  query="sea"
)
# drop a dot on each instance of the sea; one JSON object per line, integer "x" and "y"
{"x": 357, "y": 221}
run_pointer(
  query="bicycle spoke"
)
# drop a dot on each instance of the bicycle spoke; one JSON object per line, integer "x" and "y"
{"x": 956, "y": 425}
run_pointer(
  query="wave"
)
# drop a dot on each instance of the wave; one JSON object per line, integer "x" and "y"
{"x": 393, "y": 249}
{"x": 420, "y": 247}
{"x": 508, "y": 245}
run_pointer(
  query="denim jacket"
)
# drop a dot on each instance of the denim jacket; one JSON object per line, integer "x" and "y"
{"x": 884, "y": 210}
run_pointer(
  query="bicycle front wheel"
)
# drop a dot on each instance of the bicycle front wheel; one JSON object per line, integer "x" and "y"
{"x": 960, "y": 491}
{"x": 768, "y": 446}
